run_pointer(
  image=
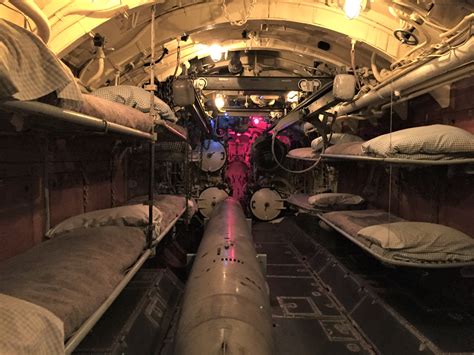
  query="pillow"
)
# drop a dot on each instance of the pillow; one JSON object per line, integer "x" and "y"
{"x": 434, "y": 139}
{"x": 337, "y": 138}
{"x": 421, "y": 238}
{"x": 135, "y": 97}
{"x": 332, "y": 199}
{"x": 130, "y": 216}
{"x": 26, "y": 328}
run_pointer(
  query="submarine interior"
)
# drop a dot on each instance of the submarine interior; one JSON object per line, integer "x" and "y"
{"x": 236, "y": 177}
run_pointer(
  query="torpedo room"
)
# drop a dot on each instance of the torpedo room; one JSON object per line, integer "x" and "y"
{"x": 252, "y": 177}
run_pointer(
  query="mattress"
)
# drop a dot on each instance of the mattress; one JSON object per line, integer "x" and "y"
{"x": 116, "y": 113}
{"x": 303, "y": 154}
{"x": 71, "y": 275}
{"x": 172, "y": 207}
{"x": 349, "y": 223}
{"x": 353, "y": 221}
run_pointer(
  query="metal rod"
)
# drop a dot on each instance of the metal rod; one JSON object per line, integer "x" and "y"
{"x": 53, "y": 112}
{"x": 47, "y": 211}
{"x": 171, "y": 225}
{"x": 151, "y": 87}
{"x": 80, "y": 334}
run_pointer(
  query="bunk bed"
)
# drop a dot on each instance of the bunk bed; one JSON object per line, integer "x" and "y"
{"x": 434, "y": 145}
{"x": 429, "y": 245}
{"x": 66, "y": 283}
{"x": 77, "y": 275}
{"x": 306, "y": 154}
{"x": 325, "y": 202}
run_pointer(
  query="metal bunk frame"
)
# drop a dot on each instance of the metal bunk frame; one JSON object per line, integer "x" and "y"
{"x": 393, "y": 161}
{"x": 67, "y": 116}
{"x": 389, "y": 261}
{"x": 396, "y": 161}
{"x": 39, "y": 110}
{"x": 86, "y": 327}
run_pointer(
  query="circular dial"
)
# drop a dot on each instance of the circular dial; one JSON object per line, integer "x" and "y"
{"x": 209, "y": 198}
{"x": 266, "y": 204}
{"x": 213, "y": 156}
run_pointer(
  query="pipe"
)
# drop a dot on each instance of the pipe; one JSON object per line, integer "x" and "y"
{"x": 226, "y": 307}
{"x": 152, "y": 88}
{"x": 91, "y": 12}
{"x": 52, "y": 112}
{"x": 100, "y": 55}
{"x": 373, "y": 66}
{"x": 440, "y": 81}
{"x": 456, "y": 28}
{"x": 433, "y": 68}
{"x": 30, "y": 9}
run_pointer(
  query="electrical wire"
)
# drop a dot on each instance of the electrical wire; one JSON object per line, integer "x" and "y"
{"x": 390, "y": 167}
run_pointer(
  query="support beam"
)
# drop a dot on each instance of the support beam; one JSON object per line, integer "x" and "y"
{"x": 260, "y": 84}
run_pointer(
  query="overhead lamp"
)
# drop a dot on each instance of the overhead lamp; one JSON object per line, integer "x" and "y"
{"x": 352, "y": 8}
{"x": 292, "y": 96}
{"x": 215, "y": 51}
{"x": 219, "y": 101}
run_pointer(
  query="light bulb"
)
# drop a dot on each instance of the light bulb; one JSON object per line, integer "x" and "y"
{"x": 215, "y": 51}
{"x": 219, "y": 101}
{"x": 352, "y": 8}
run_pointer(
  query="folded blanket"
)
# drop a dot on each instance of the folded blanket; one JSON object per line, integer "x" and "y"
{"x": 26, "y": 328}
{"x": 29, "y": 70}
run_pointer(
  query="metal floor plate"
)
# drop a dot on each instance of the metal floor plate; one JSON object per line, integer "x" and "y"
{"x": 329, "y": 297}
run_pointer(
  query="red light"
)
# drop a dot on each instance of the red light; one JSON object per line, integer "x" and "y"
{"x": 256, "y": 121}
{"x": 239, "y": 134}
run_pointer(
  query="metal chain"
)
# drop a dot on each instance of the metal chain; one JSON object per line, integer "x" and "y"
{"x": 244, "y": 20}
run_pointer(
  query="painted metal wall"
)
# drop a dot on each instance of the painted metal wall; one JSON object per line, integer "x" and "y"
{"x": 83, "y": 174}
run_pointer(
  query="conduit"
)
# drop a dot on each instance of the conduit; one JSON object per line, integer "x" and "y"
{"x": 433, "y": 68}
{"x": 100, "y": 55}
{"x": 91, "y": 11}
{"x": 458, "y": 27}
{"x": 30, "y": 9}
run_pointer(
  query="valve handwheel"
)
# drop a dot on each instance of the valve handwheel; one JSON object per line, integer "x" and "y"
{"x": 406, "y": 37}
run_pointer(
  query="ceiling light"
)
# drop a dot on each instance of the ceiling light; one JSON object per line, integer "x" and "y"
{"x": 215, "y": 51}
{"x": 352, "y": 8}
{"x": 219, "y": 101}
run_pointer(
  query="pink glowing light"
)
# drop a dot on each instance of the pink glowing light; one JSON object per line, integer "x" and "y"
{"x": 239, "y": 134}
{"x": 256, "y": 121}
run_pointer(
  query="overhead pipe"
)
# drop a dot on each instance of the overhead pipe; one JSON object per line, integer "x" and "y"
{"x": 67, "y": 116}
{"x": 445, "y": 63}
{"x": 464, "y": 72}
{"x": 100, "y": 55}
{"x": 30, "y": 9}
{"x": 458, "y": 27}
